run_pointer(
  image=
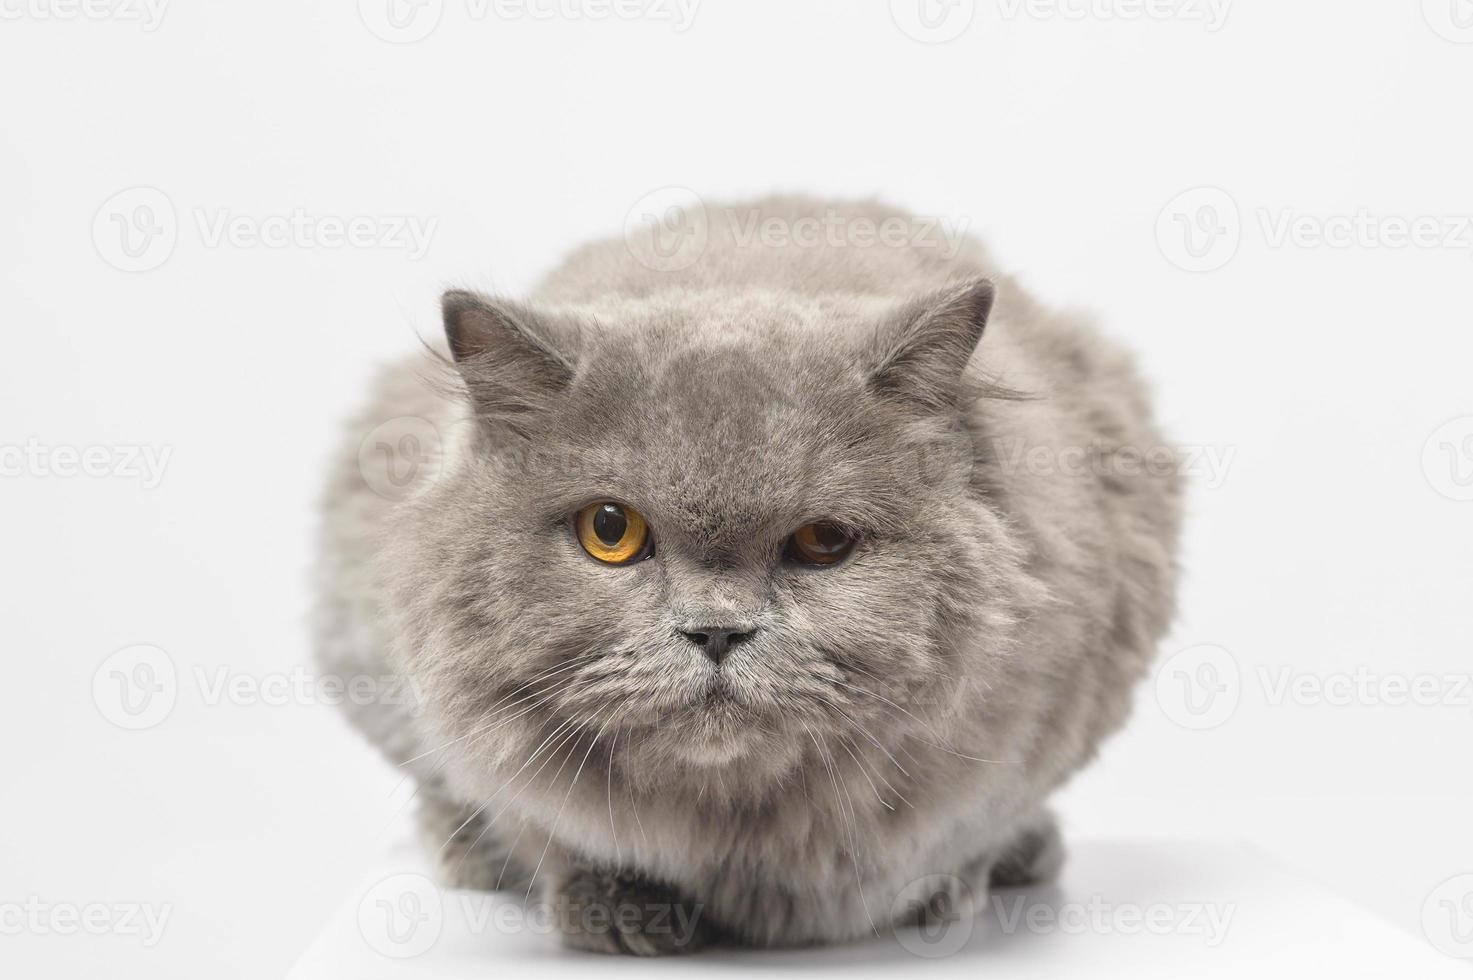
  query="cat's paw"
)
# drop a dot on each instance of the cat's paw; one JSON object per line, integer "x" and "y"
{"x": 608, "y": 912}
{"x": 1034, "y": 858}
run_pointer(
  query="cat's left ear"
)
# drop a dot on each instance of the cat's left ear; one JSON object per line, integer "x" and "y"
{"x": 921, "y": 354}
{"x": 515, "y": 360}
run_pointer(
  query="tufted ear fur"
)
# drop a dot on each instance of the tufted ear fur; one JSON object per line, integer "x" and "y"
{"x": 921, "y": 354}
{"x": 513, "y": 360}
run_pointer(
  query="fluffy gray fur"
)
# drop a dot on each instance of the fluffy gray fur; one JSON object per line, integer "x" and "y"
{"x": 894, "y": 727}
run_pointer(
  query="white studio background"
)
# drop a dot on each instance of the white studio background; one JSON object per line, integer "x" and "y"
{"x": 1229, "y": 187}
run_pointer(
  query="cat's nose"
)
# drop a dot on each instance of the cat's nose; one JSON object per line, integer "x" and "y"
{"x": 717, "y": 641}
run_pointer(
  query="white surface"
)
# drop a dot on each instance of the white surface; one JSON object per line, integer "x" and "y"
{"x": 1123, "y": 909}
{"x": 1324, "y": 547}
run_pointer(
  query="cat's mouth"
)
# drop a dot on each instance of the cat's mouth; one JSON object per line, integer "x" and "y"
{"x": 716, "y": 722}
{"x": 724, "y": 700}
{"x": 719, "y": 694}
{"x": 719, "y": 707}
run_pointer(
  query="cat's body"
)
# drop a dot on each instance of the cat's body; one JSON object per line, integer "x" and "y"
{"x": 1013, "y": 573}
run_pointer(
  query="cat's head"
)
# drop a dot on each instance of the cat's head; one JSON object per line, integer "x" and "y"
{"x": 719, "y": 529}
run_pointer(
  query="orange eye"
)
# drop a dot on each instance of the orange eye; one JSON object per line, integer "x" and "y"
{"x": 820, "y": 544}
{"x": 613, "y": 533}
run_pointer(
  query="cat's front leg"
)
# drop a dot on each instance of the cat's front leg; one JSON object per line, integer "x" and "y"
{"x": 608, "y": 911}
{"x": 1034, "y": 856}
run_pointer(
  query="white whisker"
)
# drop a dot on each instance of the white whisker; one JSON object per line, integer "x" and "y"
{"x": 853, "y": 830}
{"x": 505, "y": 806}
{"x": 863, "y": 772}
{"x": 618, "y": 854}
{"x": 969, "y": 758}
{"x": 488, "y": 720}
{"x": 563, "y": 806}
{"x": 504, "y": 785}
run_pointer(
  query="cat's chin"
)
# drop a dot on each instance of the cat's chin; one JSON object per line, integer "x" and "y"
{"x": 718, "y": 732}
{"x": 714, "y": 753}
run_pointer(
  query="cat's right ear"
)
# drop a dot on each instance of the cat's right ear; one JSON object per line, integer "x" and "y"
{"x": 920, "y": 356}
{"x": 513, "y": 360}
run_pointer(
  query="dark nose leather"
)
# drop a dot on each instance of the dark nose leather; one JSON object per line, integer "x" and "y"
{"x": 717, "y": 641}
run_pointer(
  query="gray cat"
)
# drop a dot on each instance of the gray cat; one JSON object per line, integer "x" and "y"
{"x": 759, "y": 592}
